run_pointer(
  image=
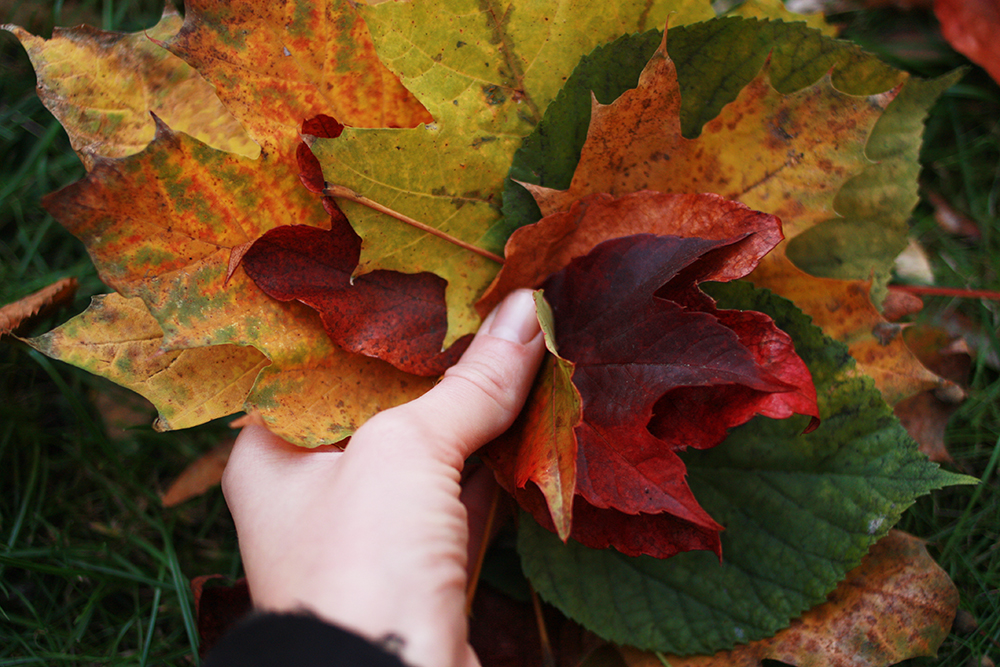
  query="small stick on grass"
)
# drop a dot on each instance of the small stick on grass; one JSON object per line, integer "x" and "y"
{"x": 958, "y": 292}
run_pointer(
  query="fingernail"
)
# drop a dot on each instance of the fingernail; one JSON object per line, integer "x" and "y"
{"x": 515, "y": 319}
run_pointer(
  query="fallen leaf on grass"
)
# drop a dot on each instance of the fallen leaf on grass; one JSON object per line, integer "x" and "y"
{"x": 247, "y": 420}
{"x": 122, "y": 410}
{"x": 18, "y": 317}
{"x": 951, "y": 220}
{"x": 970, "y": 26}
{"x": 505, "y": 632}
{"x": 897, "y": 604}
{"x": 201, "y": 475}
{"x": 960, "y": 325}
{"x": 218, "y": 607}
{"x": 898, "y": 304}
{"x": 925, "y": 416}
{"x": 940, "y": 351}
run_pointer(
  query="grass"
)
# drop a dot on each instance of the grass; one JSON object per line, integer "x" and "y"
{"x": 94, "y": 571}
{"x": 961, "y": 162}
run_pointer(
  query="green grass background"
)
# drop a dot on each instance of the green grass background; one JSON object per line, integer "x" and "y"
{"x": 93, "y": 571}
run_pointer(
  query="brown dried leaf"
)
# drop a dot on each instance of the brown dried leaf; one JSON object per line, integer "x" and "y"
{"x": 898, "y": 304}
{"x": 122, "y": 410}
{"x": 218, "y": 607}
{"x": 18, "y": 317}
{"x": 951, "y": 220}
{"x": 247, "y": 419}
{"x": 200, "y": 476}
{"x": 925, "y": 416}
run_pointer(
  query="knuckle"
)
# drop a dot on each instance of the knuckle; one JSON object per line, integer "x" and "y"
{"x": 480, "y": 378}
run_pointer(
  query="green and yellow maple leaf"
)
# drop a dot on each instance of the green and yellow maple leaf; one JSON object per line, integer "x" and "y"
{"x": 118, "y": 339}
{"x": 486, "y": 72}
{"x": 103, "y": 86}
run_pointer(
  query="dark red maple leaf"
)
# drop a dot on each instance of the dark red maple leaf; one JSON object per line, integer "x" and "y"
{"x": 658, "y": 369}
{"x": 397, "y": 317}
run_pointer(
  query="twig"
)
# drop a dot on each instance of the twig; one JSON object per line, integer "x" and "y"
{"x": 548, "y": 657}
{"x": 959, "y": 292}
{"x": 477, "y": 568}
{"x": 340, "y": 191}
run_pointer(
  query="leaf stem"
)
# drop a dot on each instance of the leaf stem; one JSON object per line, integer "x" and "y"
{"x": 477, "y": 568}
{"x": 947, "y": 291}
{"x": 342, "y": 192}
{"x": 548, "y": 656}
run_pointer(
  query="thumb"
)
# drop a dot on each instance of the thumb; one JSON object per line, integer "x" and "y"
{"x": 479, "y": 397}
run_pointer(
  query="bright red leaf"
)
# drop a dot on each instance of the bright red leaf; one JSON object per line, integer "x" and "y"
{"x": 970, "y": 27}
{"x": 659, "y": 369}
{"x": 396, "y": 317}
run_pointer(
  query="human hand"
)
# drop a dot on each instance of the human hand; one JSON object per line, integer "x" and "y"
{"x": 375, "y": 539}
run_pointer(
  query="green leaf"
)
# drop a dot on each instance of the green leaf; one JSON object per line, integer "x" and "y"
{"x": 875, "y": 204}
{"x": 549, "y": 154}
{"x": 716, "y": 59}
{"x": 799, "y": 510}
{"x": 486, "y": 72}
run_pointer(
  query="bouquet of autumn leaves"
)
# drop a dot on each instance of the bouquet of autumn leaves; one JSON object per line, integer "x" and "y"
{"x": 305, "y": 209}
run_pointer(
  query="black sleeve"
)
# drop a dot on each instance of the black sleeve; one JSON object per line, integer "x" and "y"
{"x": 288, "y": 640}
